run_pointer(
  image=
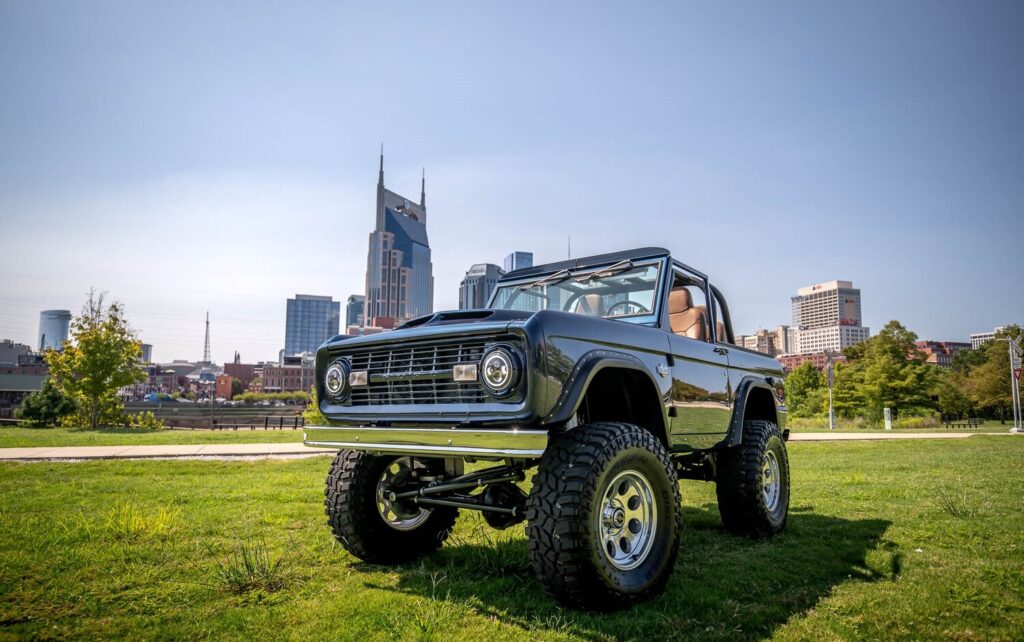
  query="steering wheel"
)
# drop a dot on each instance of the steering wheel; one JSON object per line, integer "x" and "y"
{"x": 641, "y": 308}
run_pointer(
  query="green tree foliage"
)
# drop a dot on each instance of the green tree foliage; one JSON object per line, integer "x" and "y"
{"x": 846, "y": 391}
{"x": 951, "y": 391}
{"x": 886, "y": 371}
{"x": 237, "y": 387}
{"x": 46, "y": 407}
{"x": 312, "y": 416}
{"x": 987, "y": 383}
{"x": 101, "y": 357}
{"x": 805, "y": 391}
{"x": 294, "y": 397}
{"x": 966, "y": 360}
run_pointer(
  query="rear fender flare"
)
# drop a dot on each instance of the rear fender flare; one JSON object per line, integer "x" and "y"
{"x": 739, "y": 410}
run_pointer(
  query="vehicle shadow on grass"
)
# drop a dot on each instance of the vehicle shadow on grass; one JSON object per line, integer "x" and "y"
{"x": 723, "y": 586}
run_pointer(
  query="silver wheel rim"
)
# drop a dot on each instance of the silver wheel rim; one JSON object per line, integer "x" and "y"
{"x": 772, "y": 484}
{"x": 626, "y": 518}
{"x": 393, "y": 513}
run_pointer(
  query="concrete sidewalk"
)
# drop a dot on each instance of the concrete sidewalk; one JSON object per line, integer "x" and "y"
{"x": 280, "y": 451}
{"x": 870, "y": 436}
{"x": 196, "y": 451}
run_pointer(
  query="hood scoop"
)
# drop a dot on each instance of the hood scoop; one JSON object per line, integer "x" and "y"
{"x": 465, "y": 316}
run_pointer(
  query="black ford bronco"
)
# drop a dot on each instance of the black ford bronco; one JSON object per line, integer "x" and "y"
{"x": 612, "y": 376}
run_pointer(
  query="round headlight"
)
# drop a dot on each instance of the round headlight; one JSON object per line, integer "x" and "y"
{"x": 500, "y": 371}
{"x": 336, "y": 378}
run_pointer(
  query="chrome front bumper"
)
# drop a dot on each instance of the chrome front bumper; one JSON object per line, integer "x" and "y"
{"x": 437, "y": 442}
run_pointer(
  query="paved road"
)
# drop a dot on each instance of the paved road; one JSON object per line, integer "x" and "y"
{"x": 280, "y": 451}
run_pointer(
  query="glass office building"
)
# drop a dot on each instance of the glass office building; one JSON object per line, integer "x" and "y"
{"x": 354, "y": 310}
{"x": 518, "y": 260}
{"x": 54, "y": 326}
{"x": 311, "y": 320}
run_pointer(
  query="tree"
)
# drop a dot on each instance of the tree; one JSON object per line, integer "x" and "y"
{"x": 988, "y": 384}
{"x": 804, "y": 390}
{"x": 967, "y": 360}
{"x": 954, "y": 402}
{"x": 46, "y": 407}
{"x": 101, "y": 357}
{"x": 237, "y": 387}
{"x": 886, "y": 371}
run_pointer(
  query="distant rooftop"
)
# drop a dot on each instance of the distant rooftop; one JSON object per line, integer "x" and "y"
{"x": 312, "y": 297}
{"x": 827, "y": 285}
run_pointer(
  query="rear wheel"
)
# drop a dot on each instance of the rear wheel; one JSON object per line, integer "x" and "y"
{"x": 753, "y": 482}
{"x": 371, "y": 525}
{"x": 604, "y": 516}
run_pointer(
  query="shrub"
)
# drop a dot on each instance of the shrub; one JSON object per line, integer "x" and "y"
{"x": 146, "y": 420}
{"x": 909, "y": 423}
{"x": 46, "y": 407}
{"x": 312, "y": 416}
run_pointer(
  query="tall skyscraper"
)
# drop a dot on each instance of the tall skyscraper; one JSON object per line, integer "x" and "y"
{"x": 475, "y": 289}
{"x": 518, "y": 260}
{"x": 310, "y": 321}
{"x": 399, "y": 273}
{"x": 147, "y": 353}
{"x": 354, "y": 310}
{"x": 54, "y": 326}
{"x": 828, "y": 317}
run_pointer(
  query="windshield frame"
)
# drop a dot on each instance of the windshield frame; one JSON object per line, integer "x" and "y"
{"x": 653, "y": 318}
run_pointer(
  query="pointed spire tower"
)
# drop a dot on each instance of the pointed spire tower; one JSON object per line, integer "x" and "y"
{"x": 423, "y": 189}
{"x": 206, "y": 343}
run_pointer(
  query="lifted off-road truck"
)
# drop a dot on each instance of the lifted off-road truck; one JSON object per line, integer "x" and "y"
{"x": 612, "y": 376}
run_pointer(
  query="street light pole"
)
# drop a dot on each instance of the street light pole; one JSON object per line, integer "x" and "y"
{"x": 830, "y": 377}
{"x": 1013, "y": 345}
{"x": 1018, "y": 413}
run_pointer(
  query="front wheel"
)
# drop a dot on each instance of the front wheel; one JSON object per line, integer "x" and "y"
{"x": 753, "y": 482}
{"x": 368, "y": 523}
{"x": 604, "y": 516}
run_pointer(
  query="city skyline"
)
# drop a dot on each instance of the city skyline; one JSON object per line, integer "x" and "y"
{"x": 782, "y": 141}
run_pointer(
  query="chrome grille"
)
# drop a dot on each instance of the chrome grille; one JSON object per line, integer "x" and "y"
{"x": 417, "y": 372}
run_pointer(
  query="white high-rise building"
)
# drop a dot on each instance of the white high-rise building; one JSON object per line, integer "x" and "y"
{"x": 979, "y": 339}
{"x": 827, "y": 316}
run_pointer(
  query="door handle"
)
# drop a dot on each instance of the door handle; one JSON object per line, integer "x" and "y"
{"x": 721, "y": 350}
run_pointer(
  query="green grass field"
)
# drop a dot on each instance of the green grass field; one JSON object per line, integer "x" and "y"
{"x": 15, "y": 437}
{"x": 818, "y": 424}
{"x": 894, "y": 540}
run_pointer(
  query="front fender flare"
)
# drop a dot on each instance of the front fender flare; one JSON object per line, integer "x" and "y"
{"x": 584, "y": 372}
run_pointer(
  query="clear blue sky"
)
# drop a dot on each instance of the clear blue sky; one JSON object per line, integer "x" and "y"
{"x": 194, "y": 156}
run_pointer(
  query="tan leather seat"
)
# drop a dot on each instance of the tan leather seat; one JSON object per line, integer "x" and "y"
{"x": 720, "y": 332}
{"x": 589, "y": 304}
{"x": 686, "y": 319}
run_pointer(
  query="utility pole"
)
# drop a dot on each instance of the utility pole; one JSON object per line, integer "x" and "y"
{"x": 1015, "y": 372}
{"x": 830, "y": 377}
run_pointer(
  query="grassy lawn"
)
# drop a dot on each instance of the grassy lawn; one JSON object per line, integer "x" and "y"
{"x": 893, "y": 540}
{"x": 821, "y": 425}
{"x": 12, "y": 437}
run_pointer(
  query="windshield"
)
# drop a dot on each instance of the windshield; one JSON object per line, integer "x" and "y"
{"x": 620, "y": 291}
